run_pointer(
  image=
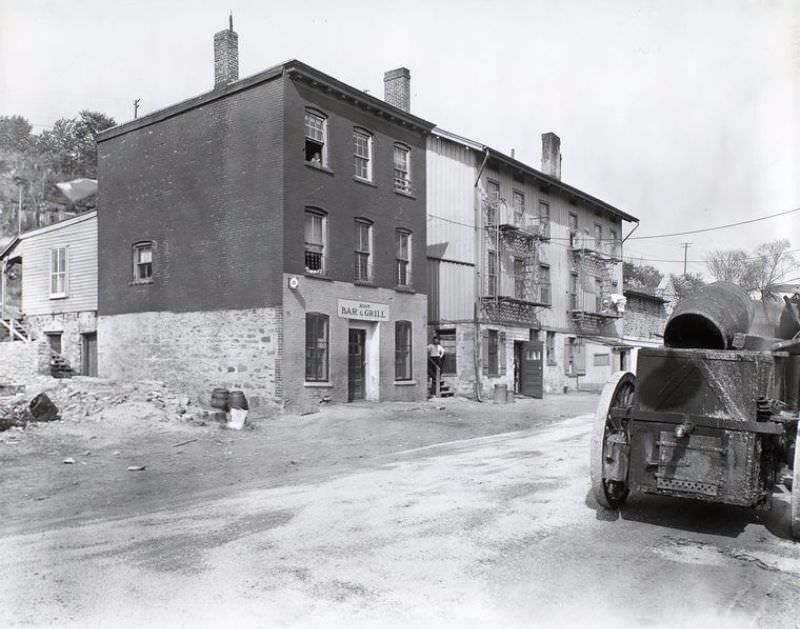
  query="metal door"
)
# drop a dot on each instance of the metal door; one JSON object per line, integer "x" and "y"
{"x": 356, "y": 368}
{"x": 531, "y": 371}
{"x": 89, "y": 354}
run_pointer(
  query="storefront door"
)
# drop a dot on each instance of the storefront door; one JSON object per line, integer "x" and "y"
{"x": 356, "y": 371}
{"x": 531, "y": 369}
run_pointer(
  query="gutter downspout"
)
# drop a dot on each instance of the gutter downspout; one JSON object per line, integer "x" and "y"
{"x": 476, "y": 307}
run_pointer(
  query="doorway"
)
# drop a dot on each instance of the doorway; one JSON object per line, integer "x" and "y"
{"x": 531, "y": 368}
{"x": 356, "y": 364}
{"x": 89, "y": 354}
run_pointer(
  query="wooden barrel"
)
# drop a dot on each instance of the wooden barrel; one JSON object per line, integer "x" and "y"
{"x": 237, "y": 400}
{"x": 219, "y": 398}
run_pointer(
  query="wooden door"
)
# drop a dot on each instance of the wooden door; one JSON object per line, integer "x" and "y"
{"x": 356, "y": 365}
{"x": 531, "y": 370}
{"x": 89, "y": 354}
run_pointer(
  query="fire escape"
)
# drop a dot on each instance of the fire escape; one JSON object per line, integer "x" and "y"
{"x": 592, "y": 284}
{"x": 512, "y": 252}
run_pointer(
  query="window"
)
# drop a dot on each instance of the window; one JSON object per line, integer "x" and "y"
{"x": 54, "y": 341}
{"x": 544, "y": 218}
{"x": 573, "y": 291}
{"x": 550, "y": 348}
{"x": 143, "y": 262}
{"x": 402, "y": 168}
{"x": 403, "y": 245}
{"x": 491, "y": 275}
{"x": 598, "y": 295}
{"x": 601, "y": 360}
{"x": 598, "y": 236}
{"x": 494, "y": 352}
{"x": 545, "y": 292}
{"x": 613, "y": 245}
{"x": 58, "y": 272}
{"x": 315, "y": 236}
{"x": 402, "y": 350}
{"x": 518, "y": 203}
{"x": 520, "y": 291}
{"x": 363, "y": 258}
{"x": 362, "y": 154}
{"x": 316, "y": 347}
{"x": 573, "y": 228}
{"x": 493, "y": 199}
{"x": 316, "y": 138}
{"x": 447, "y": 339}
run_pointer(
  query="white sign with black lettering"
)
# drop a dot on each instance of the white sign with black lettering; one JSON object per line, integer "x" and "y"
{"x": 362, "y": 310}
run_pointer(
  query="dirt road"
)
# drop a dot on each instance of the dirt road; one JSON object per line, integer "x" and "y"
{"x": 343, "y": 527}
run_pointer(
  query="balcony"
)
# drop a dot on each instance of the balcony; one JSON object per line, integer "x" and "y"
{"x": 504, "y": 309}
{"x": 591, "y": 248}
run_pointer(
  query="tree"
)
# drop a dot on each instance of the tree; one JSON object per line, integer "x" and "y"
{"x": 768, "y": 265}
{"x": 641, "y": 274}
{"x": 70, "y": 148}
{"x": 15, "y": 134}
{"x": 686, "y": 284}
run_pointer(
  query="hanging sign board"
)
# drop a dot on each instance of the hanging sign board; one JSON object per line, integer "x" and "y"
{"x": 362, "y": 310}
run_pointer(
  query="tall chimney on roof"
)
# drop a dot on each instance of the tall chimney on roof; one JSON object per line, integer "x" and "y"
{"x": 551, "y": 155}
{"x": 226, "y": 56}
{"x": 397, "y": 88}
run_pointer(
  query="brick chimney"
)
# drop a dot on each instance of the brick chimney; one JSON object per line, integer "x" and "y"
{"x": 397, "y": 88}
{"x": 551, "y": 155}
{"x": 226, "y": 56}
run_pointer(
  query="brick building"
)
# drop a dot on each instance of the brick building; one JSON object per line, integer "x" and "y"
{"x": 267, "y": 236}
{"x": 645, "y": 316}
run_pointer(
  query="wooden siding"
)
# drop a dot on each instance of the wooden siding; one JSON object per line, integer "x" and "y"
{"x": 79, "y": 235}
{"x": 453, "y": 298}
{"x": 451, "y": 172}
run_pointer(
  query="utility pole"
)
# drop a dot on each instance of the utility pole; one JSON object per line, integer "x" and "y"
{"x": 685, "y": 246}
{"x": 136, "y": 108}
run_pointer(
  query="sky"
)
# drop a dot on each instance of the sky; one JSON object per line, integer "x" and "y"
{"x": 685, "y": 114}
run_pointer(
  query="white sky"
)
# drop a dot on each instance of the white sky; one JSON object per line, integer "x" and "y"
{"x": 684, "y": 114}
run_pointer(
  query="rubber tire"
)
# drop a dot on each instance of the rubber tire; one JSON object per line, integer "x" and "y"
{"x": 795, "y": 509}
{"x": 608, "y": 397}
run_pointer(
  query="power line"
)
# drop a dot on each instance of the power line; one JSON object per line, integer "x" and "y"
{"x": 709, "y": 229}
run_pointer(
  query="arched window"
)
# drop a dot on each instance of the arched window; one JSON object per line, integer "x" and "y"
{"x": 403, "y": 257}
{"x": 402, "y": 168}
{"x": 316, "y": 238}
{"x": 362, "y": 153}
{"x": 316, "y": 347}
{"x": 363, "y": 251}
{"x": 316, "y": 148}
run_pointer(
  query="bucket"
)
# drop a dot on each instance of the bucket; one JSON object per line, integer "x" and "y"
{"x": 500, "y": 393}
{"x": 219, "y": 398}
{"x": 236, "y": 399}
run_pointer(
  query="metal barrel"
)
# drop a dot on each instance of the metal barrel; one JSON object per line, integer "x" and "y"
{"x": 710, "y": 317}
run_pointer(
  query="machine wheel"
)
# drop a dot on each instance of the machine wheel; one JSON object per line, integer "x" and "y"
{"x": 795, "y": 510}
{"x": 611, "y": 442}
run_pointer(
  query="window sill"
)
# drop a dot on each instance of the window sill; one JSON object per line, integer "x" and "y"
{"x": 59, "y": 296}
{"x": 405, "y": 383}
{"x": 322, "y": 169}
{"x": 404, "y": 193}
{"x": 324, "y": 385}
{"x": 366, "y": 182}
{"x": 317, "y": 276}
{"x": 404, "y": 289}
{"x": 140, "y": 282}
{"x": 367, "y": 284}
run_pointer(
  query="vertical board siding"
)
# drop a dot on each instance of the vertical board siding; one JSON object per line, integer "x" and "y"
{"x": 456, "y": 291}
{"x": 81, "y": 239}
{"x": 451, "y": 172}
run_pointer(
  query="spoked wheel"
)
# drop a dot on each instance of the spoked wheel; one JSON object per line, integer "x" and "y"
{"x": 610, "y": 447}
{"x": 795, "y": 511}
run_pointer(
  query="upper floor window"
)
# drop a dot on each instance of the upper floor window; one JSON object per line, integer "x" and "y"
{"x": 315, "y": 237}
{"x": 491, "y": 275}
{"x": 573, "y": 228}
{"x": 518, "y": 202}
{"x": 544, "y": 218}
{"x": 613, "y": 244}
{"x": 316, "y": 347}
{"x": 520, "y": 277}
{"x": 143, "y": 262}
{"x": 403, "y": 243}
{"x": 402, "y": 350}
{"x": 363, "y": 251}
{"x": 492, "y": 201}
{"x": 402, "y": 168}
{"x": 598, "y": 295}
{"x": 545, "y": 289}
{"x": 316, "y": 149}
{"x": 362, "y": 154}
{"x": 58, "y": 272}
{"x": 598, "y": 236}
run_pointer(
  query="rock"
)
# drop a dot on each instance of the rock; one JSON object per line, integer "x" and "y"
{"x": 136, "y": 468}
{"x": 69, "y": 460}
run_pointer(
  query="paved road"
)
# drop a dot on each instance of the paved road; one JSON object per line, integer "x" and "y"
{"x": 485, "y": 532}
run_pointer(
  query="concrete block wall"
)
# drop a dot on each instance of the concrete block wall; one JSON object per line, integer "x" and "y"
{"x": 197, "y": 351}
{"x": 18, "y": 360}
{"x": 71, "y": 325}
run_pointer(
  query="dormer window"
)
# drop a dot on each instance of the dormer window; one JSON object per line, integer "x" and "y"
{"x": 316, "y": 152}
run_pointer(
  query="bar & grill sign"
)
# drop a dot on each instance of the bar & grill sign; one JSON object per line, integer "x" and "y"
{"x": 363, "y": 310}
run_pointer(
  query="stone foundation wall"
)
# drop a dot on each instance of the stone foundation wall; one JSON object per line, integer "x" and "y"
{"x": 197, "y": 351}
{"x": 71, "y": 325}
{"x": 18, "y": 359}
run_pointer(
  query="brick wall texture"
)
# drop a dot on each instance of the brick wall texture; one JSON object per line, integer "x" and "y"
{"x": 197, "y": 351}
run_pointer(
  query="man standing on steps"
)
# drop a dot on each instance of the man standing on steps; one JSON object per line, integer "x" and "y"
{"x": 435, "y": 359}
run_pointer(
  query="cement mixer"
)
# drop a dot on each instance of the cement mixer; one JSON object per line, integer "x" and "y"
{"x": 711, "y": 416}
